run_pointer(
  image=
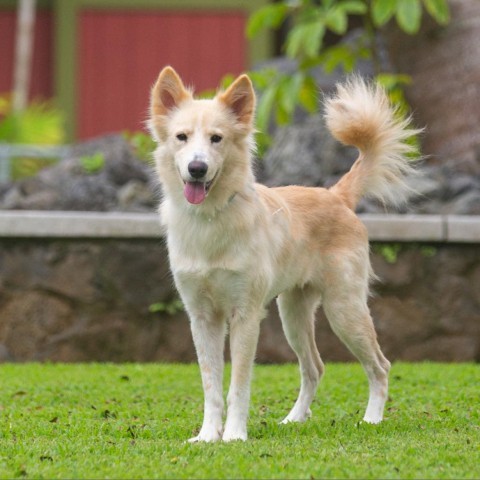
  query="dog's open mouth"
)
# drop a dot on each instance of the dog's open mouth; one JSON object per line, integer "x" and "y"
{"x": 196, "y": 192}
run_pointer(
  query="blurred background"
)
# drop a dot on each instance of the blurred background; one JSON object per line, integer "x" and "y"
{"x": 98, "y": 59}
{"x": 75, "y": 79}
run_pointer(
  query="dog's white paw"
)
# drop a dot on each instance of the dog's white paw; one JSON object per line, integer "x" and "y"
{"x": 372, "y": 419}
{"x": 297, "y": 417}
{"x": 207, "y": 435}
{"x": 231, "y": 436}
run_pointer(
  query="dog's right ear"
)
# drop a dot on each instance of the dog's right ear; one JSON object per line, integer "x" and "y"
{"x": 167, "y": 94}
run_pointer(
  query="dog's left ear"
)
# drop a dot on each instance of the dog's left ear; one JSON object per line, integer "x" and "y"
{"x": 240, "y": 98}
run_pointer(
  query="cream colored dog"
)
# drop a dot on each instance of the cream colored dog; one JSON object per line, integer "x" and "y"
{"x": 235, "y": 245}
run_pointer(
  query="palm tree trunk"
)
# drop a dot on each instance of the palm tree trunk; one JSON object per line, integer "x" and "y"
{"x": 23, "y": 53}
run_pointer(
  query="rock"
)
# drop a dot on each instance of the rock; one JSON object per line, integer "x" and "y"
{"x": 136, "y": 196}
{"x": 462, "y": 348}
{"x": 34, "y": 316}
{"x": 460, "y": 184}
{"x": 88, "y": 300}
{"x": 12, "y": 198}
{"x": 5, "y": 355}
{"x": 468, "y": 203}
{"x": 306, "y": 154}
{"x": 69, "y": 185}
{"x": 424, "y": 188}
{"x": 397, "y": 274}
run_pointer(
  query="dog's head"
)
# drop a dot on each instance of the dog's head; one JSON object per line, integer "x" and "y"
{"x": 200, "y": 140}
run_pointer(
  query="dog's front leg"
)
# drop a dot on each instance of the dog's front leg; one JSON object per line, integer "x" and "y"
{"x": 243, "y": 344}
{"x": 209, "y": 339}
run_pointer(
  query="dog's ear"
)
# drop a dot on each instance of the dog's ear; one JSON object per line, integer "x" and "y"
{"x": 240, "y": 98}
{"x": 168, "y": 92}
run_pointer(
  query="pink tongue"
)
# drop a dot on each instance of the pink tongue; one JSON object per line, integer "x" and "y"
{"x": 195, "y": 192}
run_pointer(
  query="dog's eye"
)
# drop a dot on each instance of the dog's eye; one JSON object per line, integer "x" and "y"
{"x": 215, "y": 138}
{"x": 182, "y": 137}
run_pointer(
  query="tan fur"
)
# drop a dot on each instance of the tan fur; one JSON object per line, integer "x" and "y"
{"x": 360, "y": 115}
{"x": 246, "y": 244}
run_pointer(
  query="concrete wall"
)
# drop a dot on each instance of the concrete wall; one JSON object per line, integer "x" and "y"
{"x": 78, "y": 287}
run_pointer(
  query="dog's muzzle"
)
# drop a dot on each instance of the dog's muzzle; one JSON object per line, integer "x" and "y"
{"x": 196, "y": 190}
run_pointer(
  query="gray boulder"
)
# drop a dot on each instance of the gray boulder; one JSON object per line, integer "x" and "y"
{"x": 120, "y": 182}
{"x": 306, "y": 154}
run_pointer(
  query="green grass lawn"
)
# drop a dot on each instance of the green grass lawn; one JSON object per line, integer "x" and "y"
{"x": 131, "y": 421}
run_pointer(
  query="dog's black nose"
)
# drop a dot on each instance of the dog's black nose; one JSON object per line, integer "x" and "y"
{"x": 197, "y": 169}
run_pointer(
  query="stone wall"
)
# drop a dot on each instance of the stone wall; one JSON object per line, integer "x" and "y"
{"x": 84, "y": 300}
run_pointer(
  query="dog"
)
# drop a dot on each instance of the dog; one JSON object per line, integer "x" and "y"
{"x": 235, "y": 245}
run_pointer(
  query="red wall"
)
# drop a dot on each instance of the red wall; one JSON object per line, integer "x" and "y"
{"x": 42, "y": 75}
{"x": 122, "y": 52}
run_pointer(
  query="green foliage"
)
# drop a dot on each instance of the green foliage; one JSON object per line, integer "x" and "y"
{"x": 142, "y": 144}
{"x": 23, "y": 167}
{"x": 391, "y": 251}
{"x": 383, "y": 11}
{"x": 269, "y": 16}
{"x": 41, "y": 123}
{"x": 310, "y": 21}
{"x": 394, "y": 83}
{"x": 408, "y": 13}
{"x": 171, "y": 307}
{"x": 428, "y": 251}
{"x": 93, "y": 163}
{"x": 132, "y": 421}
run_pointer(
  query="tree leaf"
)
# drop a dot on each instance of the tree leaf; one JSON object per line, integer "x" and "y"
{"x": 339, "y": 55}
{"x": 439, "y": 10}
{"x": 263, "y": 78}
{"x": 382, "y": 11}
{"x": 337, "y": 20}
{"x": 265, "y": 106}
{"x": 289, "y": 90}
{"x": 409, "y": 15}
{"x": 357, "y": 7}
{"x": 282, "y": 117}
{"x": 306, "y": 39}
{"x": 308, "y": 94}
{"x": 317, "y": 32}
{"x": 393, "y": 80}
{"x": 270, "y": 16}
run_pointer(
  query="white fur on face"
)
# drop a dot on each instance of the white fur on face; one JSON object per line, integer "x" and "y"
{"x": 190, "y": 136}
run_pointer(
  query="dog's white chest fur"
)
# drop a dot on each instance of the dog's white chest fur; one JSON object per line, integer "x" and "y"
{"x": 222, "y": 265}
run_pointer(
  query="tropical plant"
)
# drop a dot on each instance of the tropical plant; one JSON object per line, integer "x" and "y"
{"x": 170, "y": 307}
{"x": 310, "y": 21}
{"x": 142, "y": 144}
{"x": 93, "y": 163}
{"x": 41, "y": 123}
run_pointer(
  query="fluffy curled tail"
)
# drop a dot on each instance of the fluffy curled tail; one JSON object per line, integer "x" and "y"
{"x": 359, "y": 114}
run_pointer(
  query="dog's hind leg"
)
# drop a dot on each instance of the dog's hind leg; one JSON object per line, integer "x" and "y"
{"x": 209, "y": 339}
{"x": 347, "y": 311}
{"x": 297, "y": 311}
